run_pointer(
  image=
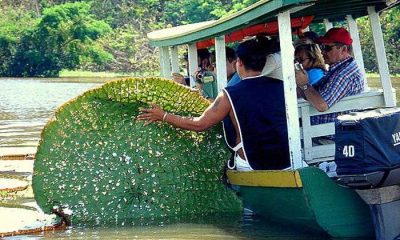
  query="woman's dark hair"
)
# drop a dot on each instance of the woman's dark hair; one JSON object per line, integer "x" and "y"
{"x": 230, "y": 54}
{"x": 313, "y": 36}
{"x": 252, "y": 53}
{"x": 203, "y": 53}
{"x": 270, "y": 43}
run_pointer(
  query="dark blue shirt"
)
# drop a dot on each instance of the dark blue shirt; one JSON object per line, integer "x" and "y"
{"x": 259, "y": 106}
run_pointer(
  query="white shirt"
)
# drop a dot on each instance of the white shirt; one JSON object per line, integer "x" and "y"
{"x": 273, "y": 66}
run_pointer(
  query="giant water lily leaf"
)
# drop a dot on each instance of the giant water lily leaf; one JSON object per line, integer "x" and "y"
{"x": 95, "y": 159}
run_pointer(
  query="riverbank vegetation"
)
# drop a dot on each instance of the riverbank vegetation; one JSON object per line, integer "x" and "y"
{"x": 44, "y": 37}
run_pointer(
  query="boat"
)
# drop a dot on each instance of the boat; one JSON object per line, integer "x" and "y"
{"x": 303, "y": 195}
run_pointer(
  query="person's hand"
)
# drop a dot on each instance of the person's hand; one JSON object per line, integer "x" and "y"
{"x": 179, "y": 78}
{"x": 301, "y": 77}
{"x": 211, "y": 67}
{"x": 150, "y": 115}
{"x": 197, "y": 71}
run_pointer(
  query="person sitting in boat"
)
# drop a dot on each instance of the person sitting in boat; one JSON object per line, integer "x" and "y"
{"x": 232, "y": 76}
{"x": 273, "y": 64}
{"x": 310, "y": 58}
{"x": 255, "y": 108}
{"x": 344, "y": 77}
{"x": 205, "y": 80}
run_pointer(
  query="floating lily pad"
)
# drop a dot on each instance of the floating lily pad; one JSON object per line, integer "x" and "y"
{"x": 12, "y": 184}
{"x": 17, "y": 220}
{"x": 16, "y": 166}
{"x": 96, "y": 160}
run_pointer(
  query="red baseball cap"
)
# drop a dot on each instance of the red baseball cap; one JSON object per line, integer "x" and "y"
{"x": 336, "y": 35}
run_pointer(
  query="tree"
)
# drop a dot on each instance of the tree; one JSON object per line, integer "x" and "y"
{"x": 191, "y": 11}
{"x": 132, "y": 20}
{"x": 390, "y": 21}
{"x": 14, "y": 22}
{"x": 64, "y": 38}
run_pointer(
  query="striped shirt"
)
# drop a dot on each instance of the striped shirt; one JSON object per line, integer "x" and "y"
{"x": 343, "y": 79}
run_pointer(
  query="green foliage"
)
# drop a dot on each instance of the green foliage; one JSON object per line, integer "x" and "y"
{"x": 97, "y": 160}
{"x": 14, "y": 22}
{"x": 132, "y": 20}
{"x": 64, "y": 37}
{"x": 131, "y": 51}
{"x": 190, "y": 11}
{"x": 390, "y": 22}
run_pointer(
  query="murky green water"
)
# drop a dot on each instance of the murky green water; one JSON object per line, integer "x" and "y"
{"x": 217, "y": 228}
{"x": 27, "y": 104}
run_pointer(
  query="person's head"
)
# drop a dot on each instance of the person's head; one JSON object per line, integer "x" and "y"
{"x": 270, "y": 43}
{"x": 273, "y": 45}
{"x": 311, "y": 36}
{"x": 308, "y": 37}
{"x": 335, "y": 45}
{"x": 230, "y": 62}
{"x": 251, "y": 57}
{"x": 309, "y": 55}
{"x": 203, "y": 56}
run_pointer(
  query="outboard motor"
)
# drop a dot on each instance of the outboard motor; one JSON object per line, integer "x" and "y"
{"x": 368, "y": 159}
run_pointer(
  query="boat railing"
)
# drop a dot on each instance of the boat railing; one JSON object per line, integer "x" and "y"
{"x": 318, "y": 153}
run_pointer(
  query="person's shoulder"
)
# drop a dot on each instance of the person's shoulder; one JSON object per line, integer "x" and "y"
{"x": 271, "y": 80}
{"x": 274, "y": 58}
{"x": 316, "y": 71}
{"x": 315, "y": 75}
{"x": 234, "y": 80}
{"x": 351, "y": 68}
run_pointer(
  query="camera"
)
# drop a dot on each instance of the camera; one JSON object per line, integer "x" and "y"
{"x": 203, "y": 76}
{"x": 298, "y": 66}
{"x": 199, "y": 75}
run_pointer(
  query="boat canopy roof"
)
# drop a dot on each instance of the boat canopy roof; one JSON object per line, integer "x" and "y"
{"x": 265, "y": 11}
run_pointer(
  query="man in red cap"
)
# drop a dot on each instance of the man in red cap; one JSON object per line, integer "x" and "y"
{"x": 344, "y": 77}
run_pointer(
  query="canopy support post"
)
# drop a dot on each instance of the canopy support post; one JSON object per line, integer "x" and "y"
{"x": 165, "y": 62}
{"x": 381, "y": 58}
{"x": 289, "y": 81}
{"x": 220, "y": 58}
{"x": 328, "y": 24}
{"x": 193, "y": 62}
{"x": 353, "y": 29}
{"x": 174, "y": 59}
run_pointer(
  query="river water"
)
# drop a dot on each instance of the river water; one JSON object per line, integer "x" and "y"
{"x": 25, "y": 107}
{"x": 27, "y": 104}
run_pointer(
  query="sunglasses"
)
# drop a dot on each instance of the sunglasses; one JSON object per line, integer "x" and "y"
{"x": 301, "y": 60}
{"x": 328, "y": 48}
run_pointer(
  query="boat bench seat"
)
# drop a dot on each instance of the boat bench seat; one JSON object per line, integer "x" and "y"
{"x": 315, "y": 154}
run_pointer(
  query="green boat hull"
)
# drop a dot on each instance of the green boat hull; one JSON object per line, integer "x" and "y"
{"x": 319, "y": 204}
